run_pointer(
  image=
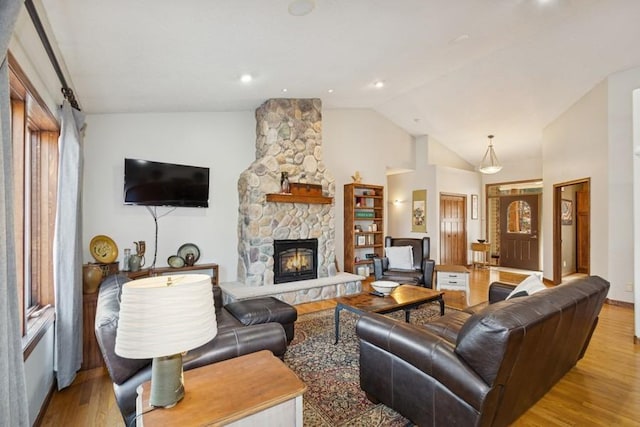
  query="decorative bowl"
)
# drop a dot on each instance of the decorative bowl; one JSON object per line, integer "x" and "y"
{"x": 384, "y": 286}
{"x": 481, "y": 240}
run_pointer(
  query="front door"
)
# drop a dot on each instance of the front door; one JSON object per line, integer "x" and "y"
{"x": 519, "y": 230}
{"x": 453, "y": 229}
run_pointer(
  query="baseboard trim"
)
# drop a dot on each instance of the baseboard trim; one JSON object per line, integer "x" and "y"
{"x": 45, "y": 405}
{"x": 619, "y": 303}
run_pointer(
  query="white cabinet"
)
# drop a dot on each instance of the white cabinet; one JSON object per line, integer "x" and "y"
{"x": 453, "y": 278}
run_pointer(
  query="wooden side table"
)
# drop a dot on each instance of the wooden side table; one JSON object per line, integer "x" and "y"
{"x": 482, "y": 251}
{"x": 257, "y": 389}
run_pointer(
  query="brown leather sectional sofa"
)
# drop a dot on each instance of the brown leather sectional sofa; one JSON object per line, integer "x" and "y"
{"x": 243, "y": 327}
{"x": 484, "y": 366}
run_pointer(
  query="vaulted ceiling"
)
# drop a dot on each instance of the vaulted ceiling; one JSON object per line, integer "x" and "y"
{"x": 456, "y": 70}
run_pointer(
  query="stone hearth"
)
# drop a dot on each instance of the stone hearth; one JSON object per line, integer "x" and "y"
{"x": 288, "y": 139}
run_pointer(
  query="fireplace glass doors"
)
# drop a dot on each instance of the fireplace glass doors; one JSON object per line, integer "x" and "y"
{"x": 295, "y": 260}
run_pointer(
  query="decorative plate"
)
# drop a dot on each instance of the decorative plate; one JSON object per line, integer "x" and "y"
{"x": 103, "y": 249}
{"x": 175, "y": 261}
{"x": 189, "y": 248}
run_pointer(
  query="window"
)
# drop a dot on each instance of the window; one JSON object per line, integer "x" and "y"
{"x": 35, "y": 173}
{"x": 519, "y": 217}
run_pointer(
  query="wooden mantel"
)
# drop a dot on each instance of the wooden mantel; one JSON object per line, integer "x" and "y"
{"x": 301, "y": 193}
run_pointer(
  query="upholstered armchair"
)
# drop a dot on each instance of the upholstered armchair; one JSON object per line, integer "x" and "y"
{"x": 406, "y": 261}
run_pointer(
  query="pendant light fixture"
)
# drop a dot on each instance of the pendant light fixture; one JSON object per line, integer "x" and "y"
{"x": 489, "y": 162}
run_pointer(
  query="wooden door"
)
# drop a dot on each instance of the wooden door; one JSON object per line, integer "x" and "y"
{"x": 453, "y": 229}
{"x": 519, "y": 231}
{"x": 583, "y": 231}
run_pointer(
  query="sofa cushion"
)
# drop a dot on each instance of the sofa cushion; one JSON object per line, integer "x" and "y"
{"x": 262, "y": 310}
{"x": 448, "y": 325}
{"x": 528, "y": 286}
{"x": 106, "y": 326}
{"x": 400, "y": 257}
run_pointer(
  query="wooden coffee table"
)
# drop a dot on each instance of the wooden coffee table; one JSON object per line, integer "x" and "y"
{"x": 404, "y": 297}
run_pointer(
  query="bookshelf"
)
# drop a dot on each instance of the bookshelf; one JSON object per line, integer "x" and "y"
{"x": 363, "y": 227}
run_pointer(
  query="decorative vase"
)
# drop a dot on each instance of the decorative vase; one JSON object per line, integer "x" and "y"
{"x": 91, "y": 278}
{"x": 285, "y": 187}
{"x": 189, "y": 259}
{"x": 135, "y": 262}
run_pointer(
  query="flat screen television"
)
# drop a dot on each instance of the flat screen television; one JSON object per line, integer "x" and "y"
{"x": 151, "y": 183}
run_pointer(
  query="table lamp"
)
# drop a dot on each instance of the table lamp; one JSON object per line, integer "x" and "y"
{"x": 162, "y": 317}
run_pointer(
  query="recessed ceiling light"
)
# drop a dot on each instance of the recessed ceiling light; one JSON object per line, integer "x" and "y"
{"x": 379, "y": 84}
{"x": 246, "y": 78}
{"x": 285, "y": 90}
{"x": 301, "y": 7}
{"x": 330, "y": 91}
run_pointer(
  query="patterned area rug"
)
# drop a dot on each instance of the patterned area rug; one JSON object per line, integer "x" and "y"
{"x": 331, "y": 372}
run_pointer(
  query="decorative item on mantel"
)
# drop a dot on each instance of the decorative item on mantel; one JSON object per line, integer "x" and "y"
{"x": 285, "y": 188}
{"x": 301, "y": 193}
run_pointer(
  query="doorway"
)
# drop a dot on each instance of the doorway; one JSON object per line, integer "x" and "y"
{"x": 453, "y": 229}
{"x": 498, "y": 198}
{"x": 519, "y": 231}
{"x": 571, "y": 228}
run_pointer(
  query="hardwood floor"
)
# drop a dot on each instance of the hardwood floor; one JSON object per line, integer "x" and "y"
{"x": 602, "y": 390}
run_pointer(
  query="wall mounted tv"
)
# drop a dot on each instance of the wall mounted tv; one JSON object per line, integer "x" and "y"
{"x": 165, "y": 184}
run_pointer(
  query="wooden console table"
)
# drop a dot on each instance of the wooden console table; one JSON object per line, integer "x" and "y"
{"x": 481, "y": 254}
{"x": 211, "y": 269}
{"x": 257, "y": 389}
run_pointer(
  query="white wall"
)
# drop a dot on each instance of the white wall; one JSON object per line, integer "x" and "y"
{"x": 224, "y": 142}
{"x": 620, "y": 108}
{"x": 636, "y": 206}
{"x": 365, "y": 141}
{"x": 574, "y": 147}
{"x": 594, "y": 138}
{"x": 39, "y": 373}
{"x": 400, "y": 188}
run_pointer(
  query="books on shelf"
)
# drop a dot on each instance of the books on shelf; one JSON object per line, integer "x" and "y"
{"x": 364, "y": 214}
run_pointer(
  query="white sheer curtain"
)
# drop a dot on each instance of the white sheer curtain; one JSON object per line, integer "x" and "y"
{"x": 14, "y": 409}
{"x": 67, "y": 248}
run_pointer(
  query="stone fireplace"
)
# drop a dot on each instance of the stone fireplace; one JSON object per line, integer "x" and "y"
{"x": 295, "y": 260}
{"x": 288, "y": 139}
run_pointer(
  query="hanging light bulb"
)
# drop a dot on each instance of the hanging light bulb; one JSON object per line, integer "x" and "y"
{"x": 489, "y": 163}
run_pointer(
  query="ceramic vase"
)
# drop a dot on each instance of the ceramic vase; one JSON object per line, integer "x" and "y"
{"x": 91, "y": 278}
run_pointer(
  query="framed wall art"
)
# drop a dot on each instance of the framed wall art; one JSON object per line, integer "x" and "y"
{"x": 419, "y": 211}
{"x": 474, "y": 206}
{"x": 566, "y": 212}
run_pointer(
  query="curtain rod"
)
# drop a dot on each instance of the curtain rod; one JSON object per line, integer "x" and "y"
{"x": 67, "y": 92}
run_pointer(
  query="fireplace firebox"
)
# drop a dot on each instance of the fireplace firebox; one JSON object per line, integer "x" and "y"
{"x": 295, "y": 260}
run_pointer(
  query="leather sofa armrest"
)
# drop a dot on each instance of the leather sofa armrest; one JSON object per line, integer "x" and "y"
{"x": 237, "y": 342}
{"x": 426, "y": 351}
{"x": 498, "y": 291}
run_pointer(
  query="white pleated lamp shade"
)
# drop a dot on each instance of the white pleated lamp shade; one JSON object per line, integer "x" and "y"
{"x": 165, "y": 315}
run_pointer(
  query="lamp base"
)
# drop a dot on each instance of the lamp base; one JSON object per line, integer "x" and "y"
{"x": 167, "y": 387}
